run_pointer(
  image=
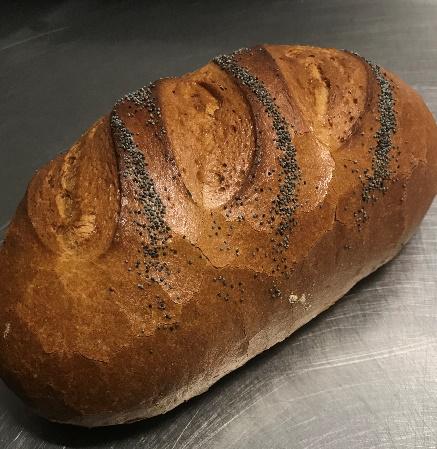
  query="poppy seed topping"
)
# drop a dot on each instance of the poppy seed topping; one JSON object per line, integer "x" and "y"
{"x": 285, "y": 202}
{"x": 150, "y": 219}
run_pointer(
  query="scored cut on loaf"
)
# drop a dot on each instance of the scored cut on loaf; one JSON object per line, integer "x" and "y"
{"x": 205, "y": 219}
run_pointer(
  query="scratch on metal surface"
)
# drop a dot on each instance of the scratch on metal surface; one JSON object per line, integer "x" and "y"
{"x": 32, "y": 38}
{"x": 245, "y": 436}
{"x": 198, "y": 431}
{"x": 326, "y": 331}
{"x": 185, "y": 428}
{"x": 323, "y": 437}
{"x": 3, "y": 231}
{"x": 14, "y": 440}
{"x": 374, "y": 355}
{"x": 4, "y": 226}
{"x": 391, "y": 287}
{"x": 320, "y": 392}
{"x": 219, "y": 429}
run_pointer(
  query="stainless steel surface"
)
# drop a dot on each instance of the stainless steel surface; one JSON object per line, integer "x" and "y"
{"x": 361, "y": 375}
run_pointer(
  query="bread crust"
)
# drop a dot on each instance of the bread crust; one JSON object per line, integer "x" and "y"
{"x": 203, "y": 221}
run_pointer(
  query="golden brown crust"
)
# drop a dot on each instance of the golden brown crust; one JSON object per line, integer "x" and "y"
{"x": 151, "y": 259}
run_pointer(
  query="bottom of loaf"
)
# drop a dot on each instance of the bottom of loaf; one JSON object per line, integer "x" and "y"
{"x": 203, "y": 385}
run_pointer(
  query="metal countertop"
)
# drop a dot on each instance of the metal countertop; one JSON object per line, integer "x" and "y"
{"x": 361, "y": 375}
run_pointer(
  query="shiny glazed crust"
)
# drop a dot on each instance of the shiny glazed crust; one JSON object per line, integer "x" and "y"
{"x": 204, "y": 220}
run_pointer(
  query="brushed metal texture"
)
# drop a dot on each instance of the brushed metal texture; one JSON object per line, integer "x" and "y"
{"x": 361, "y": 375}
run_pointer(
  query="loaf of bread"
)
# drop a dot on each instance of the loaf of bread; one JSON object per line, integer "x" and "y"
{"x": 205, "y": 219}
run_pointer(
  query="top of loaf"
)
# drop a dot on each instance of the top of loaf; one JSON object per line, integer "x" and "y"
{"x": 227, "y": 160}
{"x": 201, "y": 111}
